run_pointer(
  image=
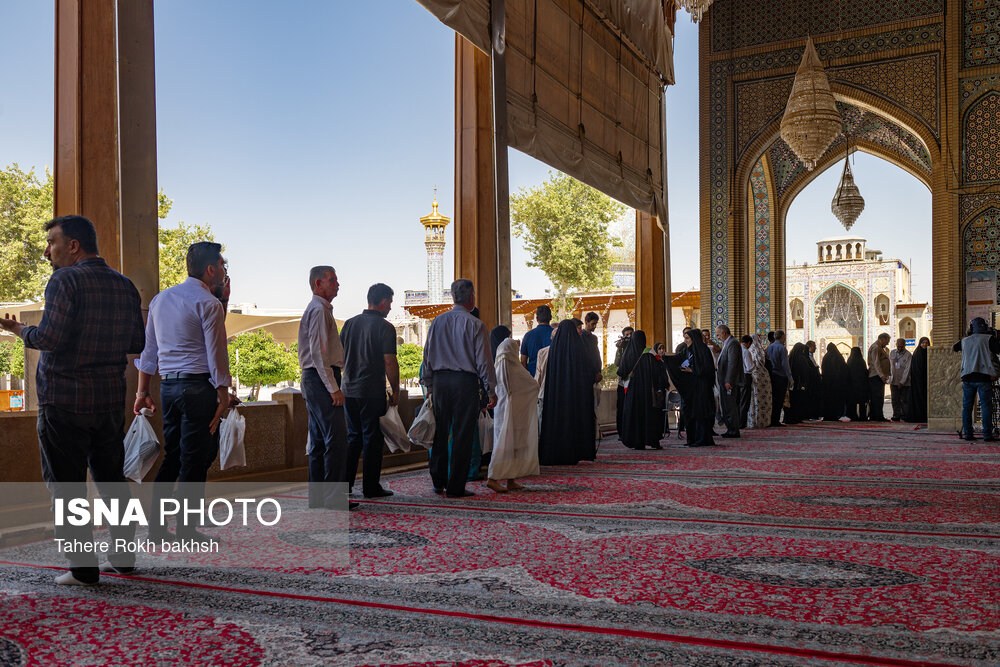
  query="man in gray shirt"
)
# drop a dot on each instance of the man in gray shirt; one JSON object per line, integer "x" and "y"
{"x": 781, "y": 375}
{"x": 456, "y": 363}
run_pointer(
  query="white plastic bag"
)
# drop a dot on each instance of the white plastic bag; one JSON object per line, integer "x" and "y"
{"x": 141, "y": 447}
{"x": 231, "y": 451}
{"x": 422, "y": 430}
{"x": 394, "y": 431}
{"x": 485, "y": 432}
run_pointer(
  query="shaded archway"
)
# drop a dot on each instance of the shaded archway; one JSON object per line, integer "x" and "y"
{"x": 838, "y": 317}
{"x": 771, "y": 177}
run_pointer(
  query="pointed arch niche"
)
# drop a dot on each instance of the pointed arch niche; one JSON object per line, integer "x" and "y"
{"x": 776, "y": 177}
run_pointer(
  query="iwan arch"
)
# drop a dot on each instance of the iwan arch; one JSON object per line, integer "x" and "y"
{"x": 918, "y": 84}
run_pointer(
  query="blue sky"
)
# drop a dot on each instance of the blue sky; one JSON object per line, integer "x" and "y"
{"x": 313, "y": 132}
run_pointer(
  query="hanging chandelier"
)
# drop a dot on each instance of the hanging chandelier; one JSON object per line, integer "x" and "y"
{"x": 847, "y": 203}
{"x": 696, "y": 8}
{"x": 811, "y": 121}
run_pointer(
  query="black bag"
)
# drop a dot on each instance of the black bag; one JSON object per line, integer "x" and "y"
{"x": 659, "y": 399}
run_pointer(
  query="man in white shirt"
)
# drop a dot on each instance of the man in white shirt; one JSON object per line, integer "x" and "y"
{"x": 321, "y": 357}
{"x": 899, "y": 380}
{"x": 186, "y": 345}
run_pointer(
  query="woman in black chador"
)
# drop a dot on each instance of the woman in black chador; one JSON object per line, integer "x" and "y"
{"x": 802, "y": 370}
{"x": 857, "y": 386}
{"x": 918, "y": 383}
{"x": 567, "y": 435}
{"x": 693, "y": 373}
{"x": 834, "y": 384}
{"x": 630, "y": 357}
{"x": 642, "y": 420}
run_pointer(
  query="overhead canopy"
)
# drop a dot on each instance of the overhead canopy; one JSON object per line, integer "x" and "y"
{"x": 585, "y": 85}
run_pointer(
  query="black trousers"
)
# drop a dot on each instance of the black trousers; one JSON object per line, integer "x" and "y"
{"x": 876, "y": 401}
{"x": 456, "y": 408}
{"x": 746, "y": 394}
{"x": 71, "y": 443}
{"x": 364, "y": 435}
{"x": 857, "y": 411}
{"x": 900, "y": 401}
{"x": 779, "y": 385}
{"x": 327, "y": 439}
{"x": 729, "y": 406}
{"x": 188, "y": 448}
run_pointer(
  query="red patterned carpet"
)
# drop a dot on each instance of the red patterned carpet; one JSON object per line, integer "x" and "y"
{"x": 820, "y": 544}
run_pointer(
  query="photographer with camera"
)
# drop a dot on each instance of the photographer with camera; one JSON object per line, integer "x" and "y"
{"x": 622, "y": 343}
{"x": 979, "y": 370}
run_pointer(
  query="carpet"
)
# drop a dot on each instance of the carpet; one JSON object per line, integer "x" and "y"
{"x": 817, "y": 544}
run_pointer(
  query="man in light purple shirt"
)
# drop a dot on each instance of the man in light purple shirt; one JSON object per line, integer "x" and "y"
{"x": 186, "y": 345}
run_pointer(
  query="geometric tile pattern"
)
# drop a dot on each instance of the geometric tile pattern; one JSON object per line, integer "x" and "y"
{"x": 763, "y": 222}
{"x": 980, "y": 31}
{"x": 719, "y": 198}
{"x": 758, "y": 105}
{"x": 971, "y": 88}
{"x": 970, "y": 204}
{"x": 981, "y": 139}
{"x": 909, "y": 83}
{"x": 870, "y": 44}
{"x": 742, "y": 23}
{"x": 981, "y": 242}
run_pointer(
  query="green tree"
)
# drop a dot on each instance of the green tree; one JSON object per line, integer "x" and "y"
{"x": 257, "y": 359}
{"x": 11, "y": 356}
{"x": 25, "y": 206}
{"x": 409, "y": 357}
{"x": 564, "y": 224}
{"x": 174, "y": 242}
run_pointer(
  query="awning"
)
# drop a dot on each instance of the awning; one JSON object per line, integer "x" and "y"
{"x": 585, "y": 85}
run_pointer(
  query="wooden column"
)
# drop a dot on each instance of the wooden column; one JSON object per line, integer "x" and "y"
{"x": 105, "y": 130}
{"x": 137, "y": 137}
{"x": 651, "y": 299}
{"x": 482, "y": 228}
{"x": 86, "y": 119}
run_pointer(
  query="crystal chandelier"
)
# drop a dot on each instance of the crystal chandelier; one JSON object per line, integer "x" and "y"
{"x": 847, "y": 203}
{"x": 811, "y": 121}
{"x": 696, "y": 8}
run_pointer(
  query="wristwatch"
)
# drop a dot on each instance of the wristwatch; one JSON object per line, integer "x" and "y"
{"x": 141, "y": 394}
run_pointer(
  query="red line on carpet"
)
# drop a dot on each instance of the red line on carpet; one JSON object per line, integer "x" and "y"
{"x": 375, "y": 503}
{"x": 590, "y": 629}
{"x": 833, "y": 480}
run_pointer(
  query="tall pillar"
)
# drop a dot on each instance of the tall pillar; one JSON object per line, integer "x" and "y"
{"x": 651, "y": 299}
{"x": 105, "y": 130}
{"x": 482, "y": 233}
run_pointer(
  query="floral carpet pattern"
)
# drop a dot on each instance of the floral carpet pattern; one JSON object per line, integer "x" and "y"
{"x": 818, "y": 544}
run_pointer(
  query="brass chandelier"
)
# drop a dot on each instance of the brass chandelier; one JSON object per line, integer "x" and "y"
{"x": 696, "y": 8}
{"x": 811, "y": 121}
{"x": 847, "y": 203}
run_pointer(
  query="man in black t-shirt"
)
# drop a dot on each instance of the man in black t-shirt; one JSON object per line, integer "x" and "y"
{"x": 369, "y": 358}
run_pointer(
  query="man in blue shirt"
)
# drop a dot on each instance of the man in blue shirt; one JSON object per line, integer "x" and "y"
{"x": 536, "y": 339}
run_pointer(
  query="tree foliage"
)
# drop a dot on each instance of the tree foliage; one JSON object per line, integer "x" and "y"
{"x": 25, "y": 206}
{"x": 410, "y": 357}
{"x": 11, "y": 356}
{"x": 174, "y": 242}
{"x": 564, "y": 224}
{"x": 257, "y": 359}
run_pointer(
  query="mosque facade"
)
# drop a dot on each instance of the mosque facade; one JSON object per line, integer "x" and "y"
{"x": 850, "y": 295}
